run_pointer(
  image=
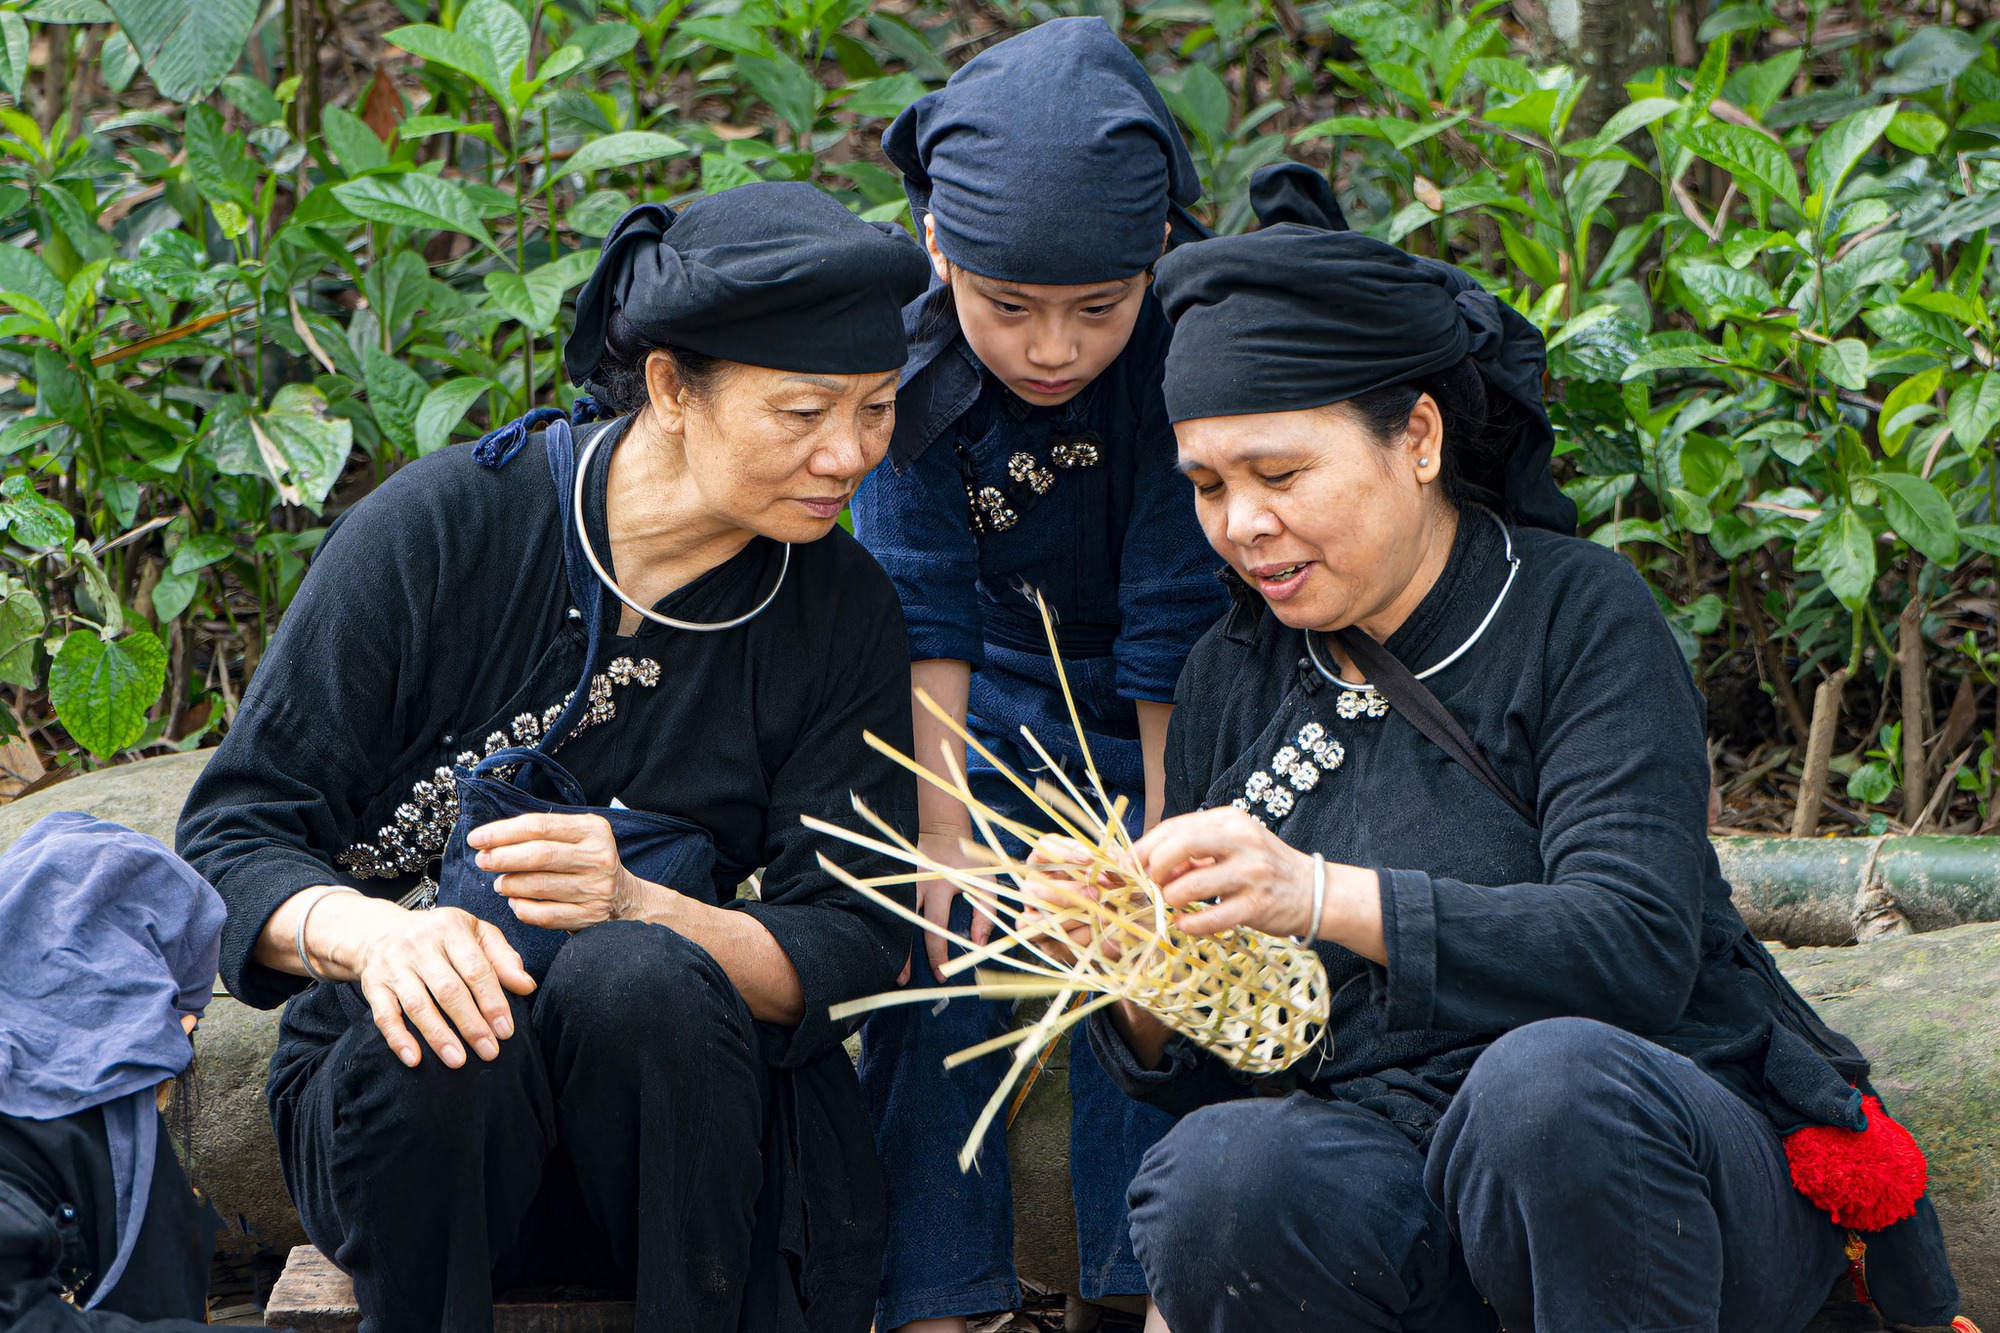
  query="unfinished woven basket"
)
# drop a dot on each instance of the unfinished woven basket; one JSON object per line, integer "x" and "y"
{"x": 1256, "y": 1001}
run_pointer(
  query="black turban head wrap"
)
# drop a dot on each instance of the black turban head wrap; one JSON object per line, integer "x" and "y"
{"x": 1049, "y": 159}
{"x": 775, "y": 274}
{"x": 1298, "y": 315}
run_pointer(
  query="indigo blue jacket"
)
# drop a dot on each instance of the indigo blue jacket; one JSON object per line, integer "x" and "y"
{"x": 1112, "y": 543}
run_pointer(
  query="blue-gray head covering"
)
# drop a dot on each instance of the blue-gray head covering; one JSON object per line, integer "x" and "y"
{"x": 1304, "y": 313}
{"x": 106, "y": 939}
{"x": 1049, "y": 158}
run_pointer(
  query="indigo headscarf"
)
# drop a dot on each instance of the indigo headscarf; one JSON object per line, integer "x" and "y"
{"x": 1049, "y": 158}
{"x": 106, "y": 939}
{"x": 774, "y": 274}
{"x": 1302, "y": 314}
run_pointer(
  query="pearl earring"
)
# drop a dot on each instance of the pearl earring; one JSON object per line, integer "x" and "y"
{"x": 1423, "y": 462}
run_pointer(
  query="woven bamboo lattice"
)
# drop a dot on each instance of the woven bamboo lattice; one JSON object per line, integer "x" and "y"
{"x": 1256, "y": 1001}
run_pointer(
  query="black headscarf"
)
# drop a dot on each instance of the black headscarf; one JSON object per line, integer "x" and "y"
{"x": 1302, "y": 314}
{"x": 774, "y": 274}
{"x": 1048, "y": 159}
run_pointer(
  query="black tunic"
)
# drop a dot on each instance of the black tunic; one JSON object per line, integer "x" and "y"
{"x": 1613, "y": 908}
{"x": 434, "y": 626}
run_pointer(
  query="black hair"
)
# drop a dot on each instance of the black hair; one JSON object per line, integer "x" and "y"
{"x": 620, "y": 378}
{"x": 1477, "y": 426}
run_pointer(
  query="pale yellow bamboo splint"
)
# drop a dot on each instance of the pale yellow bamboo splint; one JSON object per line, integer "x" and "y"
{"x": 1256, "y": 1001}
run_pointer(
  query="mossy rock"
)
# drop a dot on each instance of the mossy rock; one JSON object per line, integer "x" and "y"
{"x": 1926, "y": 1010}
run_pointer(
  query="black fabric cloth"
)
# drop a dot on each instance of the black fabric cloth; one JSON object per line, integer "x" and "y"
{"x": 774, "y": 273}
{"x": 434, "y": 622}
{"x": 1613, "y": 908}
{"x": 1586, "y": 1179}
{"x": 1298, "y": 315}
{"x": 619, "y": 1143}
{"x": 1056, "y": 125}
{"x": 59, "y": 1232}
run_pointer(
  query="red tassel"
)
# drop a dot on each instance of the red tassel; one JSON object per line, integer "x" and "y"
{"x": 1867, "y": 1180}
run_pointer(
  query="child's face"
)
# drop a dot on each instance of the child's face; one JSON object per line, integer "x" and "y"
{"x": 1045, "y": 343}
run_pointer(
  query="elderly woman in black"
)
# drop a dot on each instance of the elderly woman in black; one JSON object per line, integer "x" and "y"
{"x": 631, "y": 1081}
{"x": 1559, "y": 1068}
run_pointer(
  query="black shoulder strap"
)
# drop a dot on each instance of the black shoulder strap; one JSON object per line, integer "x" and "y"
{"x": 1413, "y": 699}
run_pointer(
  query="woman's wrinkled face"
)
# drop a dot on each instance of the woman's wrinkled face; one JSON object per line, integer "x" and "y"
{"x": 777, "y": 452}
{"x": 1045, "y": 343}
{"x": 1329, "y": 524}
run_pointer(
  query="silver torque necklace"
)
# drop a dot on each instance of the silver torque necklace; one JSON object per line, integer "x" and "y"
{"x": 1363, "y": 698}
{"x": 583, "y": 539}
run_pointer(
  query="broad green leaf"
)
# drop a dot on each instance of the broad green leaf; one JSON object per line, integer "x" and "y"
{"x": 118, "y": 62}
{"x": 1674, "y": 358}
{"x": 414, "y": 199}
{"x": 13, "y": 51}
{"x": 1589, "y": 186}
{"x": 1893, "y": 426}
{"x": 1690, "y": 511}
{"x": 623, "y": 150}
{"x": 219, "y": 160}
{"x": 452, "y": 50}
{"x": 1846, "y": 558}
{"x": 1844, "y": 143}
{"x": 253, "y": 99}
{"x": 1983, "y": 537}
{"x": 59, "y": 392}
{"x": 1200, "y": 99}
{"x": 444, "y": 407}
{"x": 172, "y": 594}
{"x": 597, "y": 212}
{"x": 1722, "y": 290}
{"x": 1918, "y": 131}
{"x": 602, "y": 43}
{"x": 1974, "y": 410}
{"x": 1755, "y": 87}
{"x": 101, "y": 691}
{"x": 24, "y": 272}
{"x": 67, "y": 11}
{"x": 395, "y": 395}
{"x": 302, "y": 448}
{"x": 1931, "y": 57}
{"x": 786, "y": 86}
{"x": 199, "y": 552}
{"x": 884, "y": 98}
{"x": 354, "y": 146}
{"x": 21, "y": 625}
{"x": 1635, "y": 116}
{"x": 187, "y": 46}
{"x": 500, "y": 33}
{"x": 1845, "y": 363}
{"x": 1919, "y": 514}
{"x": 1748, "y": 156}
{"x": 1871, "y": 783}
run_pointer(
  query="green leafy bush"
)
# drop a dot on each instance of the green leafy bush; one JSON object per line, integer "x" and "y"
{"x": 1764, "y": 279}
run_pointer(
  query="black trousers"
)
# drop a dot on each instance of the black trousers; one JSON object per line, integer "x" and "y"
{"x": 1583, "y": 1179}
{"x": 613, "y": 1144}
{"x": 59, "y": 1227}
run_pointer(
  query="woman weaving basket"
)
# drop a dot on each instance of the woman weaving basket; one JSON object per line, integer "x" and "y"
{"x": 1559, "y": 1066}
{"x": 576, "y": 687}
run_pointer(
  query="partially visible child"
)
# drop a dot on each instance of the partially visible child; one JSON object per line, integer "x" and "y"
{"x": 1032, "y": 451}
{"x": 108, "y": 945}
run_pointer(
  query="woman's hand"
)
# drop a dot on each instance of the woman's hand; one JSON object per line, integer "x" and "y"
{"x": 1055, "y": 891}
{"x": 444, "y": 971}
{"x": 1248, "y": 876}
{"x": 562, "y": 872}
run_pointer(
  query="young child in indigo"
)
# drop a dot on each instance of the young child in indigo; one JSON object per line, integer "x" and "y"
{"x": 1031, "y": 450}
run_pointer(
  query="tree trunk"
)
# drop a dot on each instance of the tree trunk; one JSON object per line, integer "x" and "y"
{"x": 1819, "y": 749}
{"x": 302, "y": 56}
{"x": 1611, "y": 42}
{"x": 1915, "y": 681}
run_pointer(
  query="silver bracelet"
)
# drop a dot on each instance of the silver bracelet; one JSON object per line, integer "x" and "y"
{"x": 299, "y": 937}
{"x": 1319, "y": 900}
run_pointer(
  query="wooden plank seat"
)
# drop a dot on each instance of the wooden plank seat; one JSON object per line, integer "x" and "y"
{"x": 312, "y": 1296}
